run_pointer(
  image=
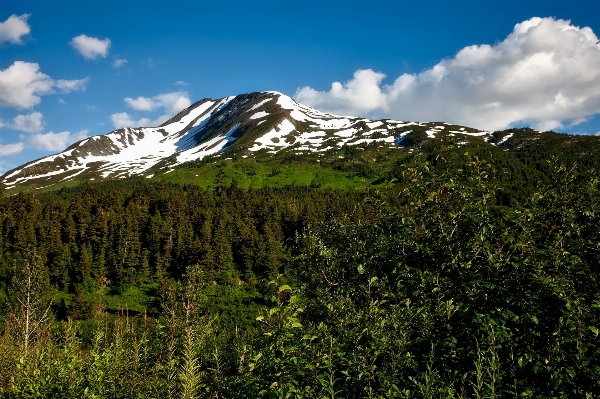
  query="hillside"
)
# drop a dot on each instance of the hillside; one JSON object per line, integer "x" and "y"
{"x": 246, "y": 126}
{"x": 267, "y": 139}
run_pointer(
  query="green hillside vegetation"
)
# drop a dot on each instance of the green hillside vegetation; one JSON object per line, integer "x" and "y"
{"x": 523, "y": 158}
{"x": 450, "y": 268}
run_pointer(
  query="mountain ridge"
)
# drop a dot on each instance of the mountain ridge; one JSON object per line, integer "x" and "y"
{"x": 268, "y": 121}
{"x": 246, "y": 126}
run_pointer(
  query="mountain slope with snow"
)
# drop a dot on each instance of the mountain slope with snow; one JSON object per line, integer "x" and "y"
{"x": 246, "y": 124}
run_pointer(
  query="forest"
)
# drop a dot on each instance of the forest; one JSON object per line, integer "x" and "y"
{"x": 463, "y": 273}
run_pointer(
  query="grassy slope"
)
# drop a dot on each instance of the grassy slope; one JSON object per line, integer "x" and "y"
{"x": 346, "y": 168}
{"x": 272, "y": 171}
{"x": 250, "y": 174}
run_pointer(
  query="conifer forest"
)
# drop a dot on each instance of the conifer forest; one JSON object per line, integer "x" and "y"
{"x": 460, "y": 272}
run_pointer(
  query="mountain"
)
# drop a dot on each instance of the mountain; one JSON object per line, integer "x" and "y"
{"x": 246, "y": 125}
{"x": 271, "y": 127}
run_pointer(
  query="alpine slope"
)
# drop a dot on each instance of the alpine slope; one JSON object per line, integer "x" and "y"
{"x": 245, "y": 125}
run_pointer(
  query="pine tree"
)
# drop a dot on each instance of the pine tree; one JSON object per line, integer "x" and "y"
{"x": 85, "y": 263}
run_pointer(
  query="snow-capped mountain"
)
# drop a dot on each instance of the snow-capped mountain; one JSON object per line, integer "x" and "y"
{"x": 248, "y": 123}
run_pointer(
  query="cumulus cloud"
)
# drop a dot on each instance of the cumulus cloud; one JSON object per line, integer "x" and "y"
{"x": 142, "y": 103}
{"x": 90, "y": 47}
{"x": 30, "y": 123}
{"x": 123, "y": 119}
{"x": 55, "y": 141}
{"x": 358, "y": 96}
{"x": 169, "y": 103}
{"x": 11, "y": 149}
{"x": 67, "y": 86}
{"x": 14, "y": 28}
{"x": 119, "y": 63}
{"x": 546, "y": 73}
{"x": 174, "y": 102}
{"x": 22, "y": 84}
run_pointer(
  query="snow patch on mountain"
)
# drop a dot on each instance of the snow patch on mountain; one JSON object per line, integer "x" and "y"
{"x": 260, "y": 114}
{"x": 275, "y": 137}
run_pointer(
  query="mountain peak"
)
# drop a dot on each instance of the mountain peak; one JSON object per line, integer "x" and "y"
{"x": 245, "y": 124}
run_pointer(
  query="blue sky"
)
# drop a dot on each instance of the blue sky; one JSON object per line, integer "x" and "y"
{"x": 71, "y": 69}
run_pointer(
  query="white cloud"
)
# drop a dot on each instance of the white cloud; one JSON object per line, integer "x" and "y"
{"x": 30, "y": 123}
{"x": 22, "y": 84}
{"x": 173, "y": 102}
{"x": 181, "y": 83}
{"x": 90, "y": 47}
{"x": 119, "y": 63}
{"x": 11, "y": 149}
{"x": 170, "y": 103}
{"x": 142, "y": 103}
{"x": 67, "y": 86}
{"x": 55, "y": 141}
{"x": 90, "y": 107}
{"x": 14, "y": 28}
{"x": 123, "y": 119}
{"x": 61, "y": 101}
{"x": 359, "y": 96}
{"x": 546, "y": 73}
